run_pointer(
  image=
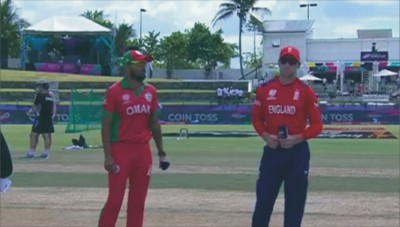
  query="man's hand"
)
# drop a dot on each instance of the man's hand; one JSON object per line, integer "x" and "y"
{"x": 163, "y": 162}
{"x": 30, "y": 113}
{"x": 271, "y": 140}
{"x": 162, "y": 154}
{"x": 110, "y": 165}
{"x": 291, "y": 140}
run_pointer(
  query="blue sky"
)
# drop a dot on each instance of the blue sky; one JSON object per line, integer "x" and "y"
{"x": 333, "y": 19}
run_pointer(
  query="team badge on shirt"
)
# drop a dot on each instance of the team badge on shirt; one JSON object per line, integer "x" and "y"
{"x": 272, "y": 94}
{"x": 148, "y": 96}
{"x": 296, "y": 95}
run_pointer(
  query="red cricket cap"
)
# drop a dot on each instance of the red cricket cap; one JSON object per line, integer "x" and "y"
{"x": 290, "y": 51}
{"x": 134, "y": 55}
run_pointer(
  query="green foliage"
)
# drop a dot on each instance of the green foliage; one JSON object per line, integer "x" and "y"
{"x": 173, "y": 52}
{"x": 151, "y": 45}
{"x": 252, "y": 61}
{"x": 10, "y": 23}
{"x": 208, "y": 49}
{"x": 195, "y": 48}
{"x": 98, "y": 17}
{"x": 124, "y": 34}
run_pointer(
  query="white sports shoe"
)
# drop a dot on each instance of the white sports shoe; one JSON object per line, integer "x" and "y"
{"x": 5, "y": 184}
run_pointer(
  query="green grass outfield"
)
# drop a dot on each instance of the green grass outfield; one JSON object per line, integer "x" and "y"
{"x": 15, "y": 75}
{"x": 233, "y": 153}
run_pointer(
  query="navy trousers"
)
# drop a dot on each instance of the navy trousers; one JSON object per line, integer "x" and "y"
{"x": 6, "y": 166}
{"x": 279, "y": 165}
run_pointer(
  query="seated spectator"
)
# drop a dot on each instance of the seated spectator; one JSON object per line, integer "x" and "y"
{"x": 78, "y": 66}
{"x": 232, "y": 93}
{"x": 398, "y": 82}
{"x": 324, "y": 84}
{"x": 219, "y": 95}
{"x": 240, "y": 95}
{"x": 226, "y": 93}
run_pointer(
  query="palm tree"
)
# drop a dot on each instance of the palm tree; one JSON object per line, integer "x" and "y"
{"x": 10, "y": 24}
{"x": 151, "y": 44}
{"x": 98, "y": 17}
{"x": 124, "y": 33}
{"x": 242, "y": 8}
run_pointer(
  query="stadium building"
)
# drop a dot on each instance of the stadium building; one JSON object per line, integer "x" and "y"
{"x": 346, "y": 64}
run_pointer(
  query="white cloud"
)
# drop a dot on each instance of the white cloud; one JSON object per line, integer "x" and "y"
{"x": 369, "y": 2}
{"x": 161, "y": 8}
{"x": 347, "y": 30}
{"x": 293, "y": 16}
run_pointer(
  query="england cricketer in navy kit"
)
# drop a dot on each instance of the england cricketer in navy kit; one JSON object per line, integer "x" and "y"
{"x": 282, "y": 109}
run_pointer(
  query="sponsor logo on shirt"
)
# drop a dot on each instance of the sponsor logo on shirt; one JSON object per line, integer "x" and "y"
{"x": 148, "y": 96}
{"x": 137, "y": 109}
{"x": 257, "y": 103}
{"x": 282, "y": 109}
{"x": 272, "y": 94}
{"x": 126, "y": 99}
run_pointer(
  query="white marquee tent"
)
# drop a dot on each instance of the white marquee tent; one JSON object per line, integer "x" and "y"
{"x": 309, "y": 77}
{"x": 384, "y": 72}
{"x": 67, "y": 25}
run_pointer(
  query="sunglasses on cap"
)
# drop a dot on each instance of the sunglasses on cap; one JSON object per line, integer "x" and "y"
{"x": 290, "y": 60}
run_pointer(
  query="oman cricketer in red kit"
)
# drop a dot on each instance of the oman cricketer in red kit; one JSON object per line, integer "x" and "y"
{"x": 283, "y": 108}
{"x": 129, "y": 122}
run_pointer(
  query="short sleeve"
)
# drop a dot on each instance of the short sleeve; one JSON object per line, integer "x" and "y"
{"x": 154, "y": 104}
{"x": 36, "y": 99}
{"x": 109, "y": 104}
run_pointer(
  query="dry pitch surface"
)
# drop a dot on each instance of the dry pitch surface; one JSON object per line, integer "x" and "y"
{"x": 55, "y": 207}
{"x": 174, "y": 207}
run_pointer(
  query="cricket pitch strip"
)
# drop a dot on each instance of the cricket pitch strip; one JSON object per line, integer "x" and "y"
{"x": 73, "y": 207}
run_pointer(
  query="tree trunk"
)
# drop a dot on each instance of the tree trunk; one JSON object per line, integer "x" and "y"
{"x": 240, "y": 47}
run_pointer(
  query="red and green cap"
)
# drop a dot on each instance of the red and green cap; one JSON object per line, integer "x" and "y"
{"x": 134, "y": 56}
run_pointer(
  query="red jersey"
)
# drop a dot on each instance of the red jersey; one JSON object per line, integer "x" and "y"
{"x": 292, "y": 105}
{"x": 130, "y": 112}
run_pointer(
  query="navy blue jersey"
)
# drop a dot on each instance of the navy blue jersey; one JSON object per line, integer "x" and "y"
{"x": 44, "y": 102}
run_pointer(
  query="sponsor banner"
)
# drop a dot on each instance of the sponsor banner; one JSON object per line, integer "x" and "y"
{"x": 176, "y": 114}
{"x": 242, "y": 115}
{"x": 336, "y": 134}
{"x": 326, "y": 134}
{"x": 354, "y": 129}
{"x": 374, "y": 56}
{"x": 87, "y": 69}
{"x": 17, "y": 115}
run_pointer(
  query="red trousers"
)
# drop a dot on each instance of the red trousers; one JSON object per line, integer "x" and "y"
{"x": 134, "y": 162}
